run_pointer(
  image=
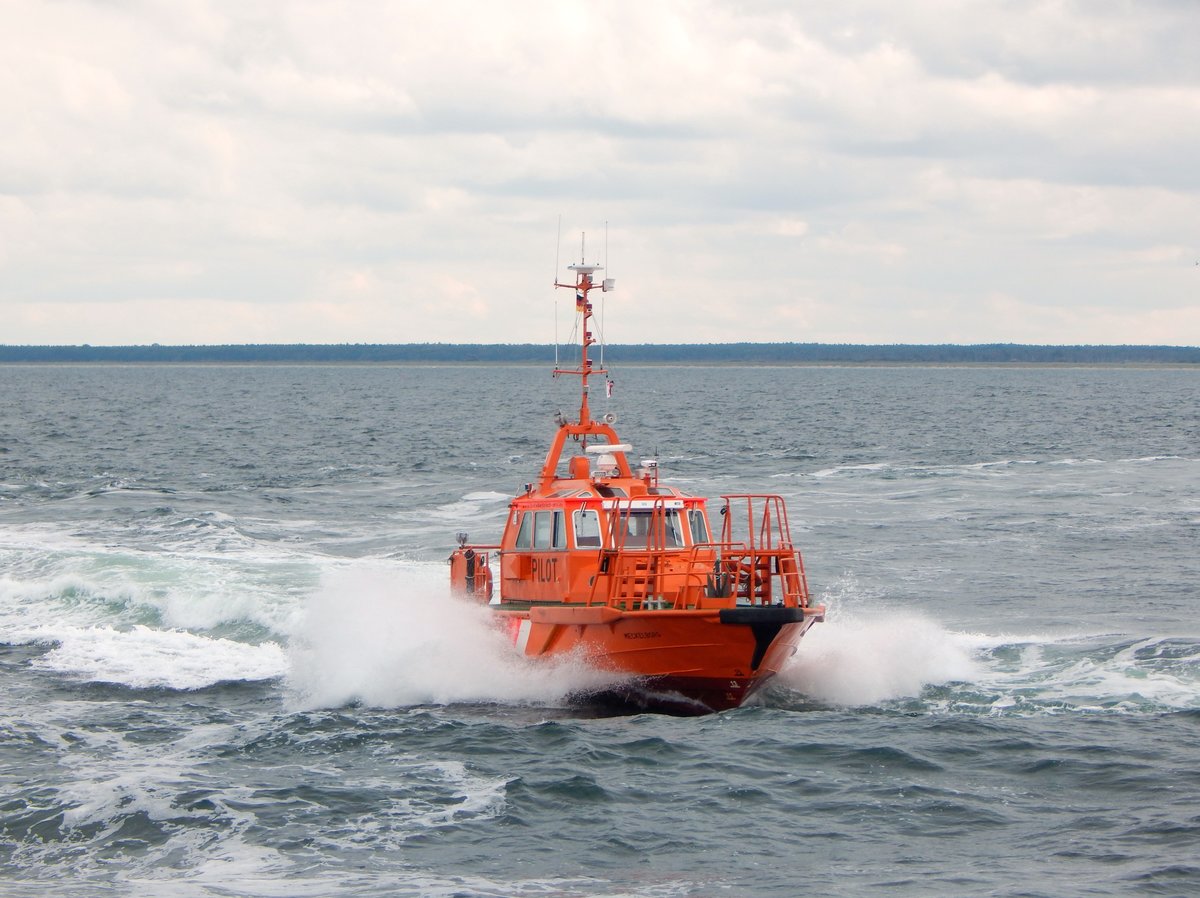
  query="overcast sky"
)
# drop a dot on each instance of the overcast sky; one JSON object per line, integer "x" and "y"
{"x": 951, "y": 172}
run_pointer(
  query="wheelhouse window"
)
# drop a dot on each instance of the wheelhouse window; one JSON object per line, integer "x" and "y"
{"x": 541, "y": 530}
{"x": 587, "y": 528}
{"x": 548, "y": 530}
{"x": 639, "y": 529}
{"x": 698, "y": 526}
{"x": 525, "y": 533}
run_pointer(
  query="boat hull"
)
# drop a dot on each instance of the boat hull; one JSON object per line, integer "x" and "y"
{"x": 681, "y": 662}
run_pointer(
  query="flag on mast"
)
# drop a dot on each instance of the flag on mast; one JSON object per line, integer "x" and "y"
{"x": 580, "y": 302}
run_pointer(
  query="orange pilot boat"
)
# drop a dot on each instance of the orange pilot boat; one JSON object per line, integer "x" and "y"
{"x": 601, "y": 559}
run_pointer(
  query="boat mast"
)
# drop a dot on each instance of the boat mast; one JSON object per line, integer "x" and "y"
{"x": 583, "y": 286}
{"x": 585, "y": 428}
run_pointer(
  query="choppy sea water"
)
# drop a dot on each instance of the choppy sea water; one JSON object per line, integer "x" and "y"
{"x": 232, "y": 667}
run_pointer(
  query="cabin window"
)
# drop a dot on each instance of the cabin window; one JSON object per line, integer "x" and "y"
{"x": 699, "y": 526}
{"x": 639, "y": 529}
{"x": 560, "y": 531}
{"x": 674, "y": 528}
{"x": 543, "y": 528}
{"x": 525, "y": 533}
{"x": 587, "y": 528}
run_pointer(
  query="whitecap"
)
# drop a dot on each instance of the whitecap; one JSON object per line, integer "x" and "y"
{"x": 873, "y": 658}
{"x": 144, "y": 658}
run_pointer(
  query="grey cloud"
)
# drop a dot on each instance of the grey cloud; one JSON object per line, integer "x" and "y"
{"x": 878, "y": 168}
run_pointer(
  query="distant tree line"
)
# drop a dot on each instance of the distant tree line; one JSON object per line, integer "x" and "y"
{"x": 681, "y": 353}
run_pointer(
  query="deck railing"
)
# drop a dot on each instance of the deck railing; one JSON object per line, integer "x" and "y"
{"x": 753, "y": 562}
{"x": 762, "y": 568}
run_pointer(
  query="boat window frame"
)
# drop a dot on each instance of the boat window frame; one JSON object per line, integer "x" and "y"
{"x": 673, "y": 530}
{"x": 576, "y": 529}
{"x": 524, "y": 538}
{"x": 543, "y": 529}
{"x": 696, "y": 516}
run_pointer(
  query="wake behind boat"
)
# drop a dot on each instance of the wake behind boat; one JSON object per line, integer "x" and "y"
{"x": 602, "y": 559}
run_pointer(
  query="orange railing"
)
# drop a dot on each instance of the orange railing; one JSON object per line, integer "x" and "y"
{"x": 760, "y": 568}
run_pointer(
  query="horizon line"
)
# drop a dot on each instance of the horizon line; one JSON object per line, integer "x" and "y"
{"x": 724, "y": 343}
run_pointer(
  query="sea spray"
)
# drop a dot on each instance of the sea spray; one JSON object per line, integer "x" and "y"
{"x": 856, "y": 659}
{"x": 866, "y": 658}
{"x": 389, "y": 635}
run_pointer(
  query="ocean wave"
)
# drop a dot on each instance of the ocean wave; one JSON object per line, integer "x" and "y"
{"x": 54, "y": 580}
{"x": 891, "y": 469}
{"x": 200, "y": 831}
{"x": 393, "y": 636}
{"x": 145, "y": 658}
{"x": 861, "y": 661}
{"x": 913, "y": 662}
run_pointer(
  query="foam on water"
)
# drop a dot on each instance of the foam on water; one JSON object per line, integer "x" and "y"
{"x": 858, "y": 660}
{"x": 1082, "y": 672}
{"x": 144, "y": 620}
{"x": 482, "y": 506}
{"x": 145, "y": 658}
{"x": 61, "y": 584}
{"x": 449, "y": 795}
{"x": 115, "y": 777}
{"x": 870, "y": 658}
{"x": 110, "y": 787}
{"x": 558, "y": 887}
{"x": 391, "y": 635}
{"x": 851, "y": 469}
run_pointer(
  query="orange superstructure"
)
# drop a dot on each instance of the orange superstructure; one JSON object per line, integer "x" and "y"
{"x": 600, "y": 558}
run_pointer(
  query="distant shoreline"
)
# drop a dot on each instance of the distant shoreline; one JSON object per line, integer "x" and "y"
{"x": 707, "y": 354}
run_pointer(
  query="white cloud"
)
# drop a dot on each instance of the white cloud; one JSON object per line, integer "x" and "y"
{"x": 222, "y": 172}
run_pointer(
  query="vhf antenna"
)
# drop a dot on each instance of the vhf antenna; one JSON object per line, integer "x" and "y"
{"x": 554, "y": 280}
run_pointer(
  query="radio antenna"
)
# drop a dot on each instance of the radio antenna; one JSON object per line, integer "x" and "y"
{"x": 557, "y": 248}
{"x": 602, "y": 302}
{"x": 554, "y": 280}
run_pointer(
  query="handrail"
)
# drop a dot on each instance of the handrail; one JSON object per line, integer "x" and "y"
{"x": 771, "y": 528}
{"x": 684, "y": 583}
{"x": 765, "y": 567}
